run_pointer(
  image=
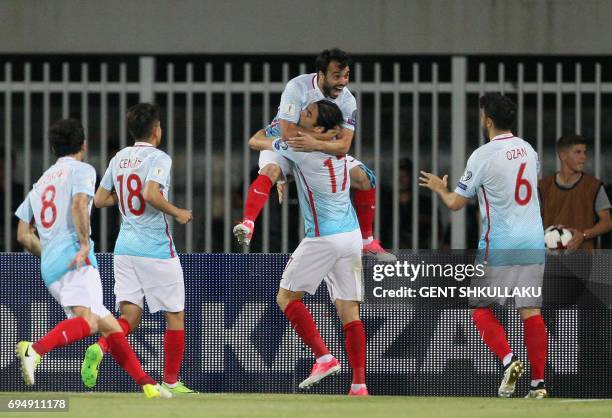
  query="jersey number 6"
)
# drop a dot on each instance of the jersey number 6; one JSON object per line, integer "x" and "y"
{"x": 522, "y": 182}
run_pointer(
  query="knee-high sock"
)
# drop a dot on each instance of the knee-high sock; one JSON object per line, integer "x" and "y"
{"x": 301, "y": 319}
{"x": 125, "y": 326}
{"x": 491, "y": 332}
{"x": 536, "y": 341}
{"x": 126, "y": 358}
{"x": 355, "y": 345}
{"x": 174, "y": 347}
{"x": 365, "y": 207}
{"x": 257, "y": 197}
{"x": 64, "y": 333}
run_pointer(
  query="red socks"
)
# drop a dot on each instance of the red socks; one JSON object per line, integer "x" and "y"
{"x": 257, "y": 197}
{"x": 126, "y": 358}
{"x": 174, "y": 347}
{"x": 64, "y": 333}
{"x": 491, "y": 332}
{"x": 536, "y": 341}
{"x": 365, "y": 206}
{"x": 355, "y": 345}
{"x": 298, "y": 314}
{"x": 126, "y": 330}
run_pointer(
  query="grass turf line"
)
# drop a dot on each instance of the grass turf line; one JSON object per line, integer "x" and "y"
{"x": 253, "y": 405}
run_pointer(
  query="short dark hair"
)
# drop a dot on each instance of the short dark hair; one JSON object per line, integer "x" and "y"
{"x": 66, "y": 137}
{"x": 567, "y": 141}
{"x": 501, "y": 109}
{"x": 329, "y": 115}
{"x": 141, "y": 119}
{"x": 328, "y": 55}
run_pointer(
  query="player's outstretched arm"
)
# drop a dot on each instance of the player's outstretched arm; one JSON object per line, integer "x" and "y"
{"x": 105, "y": 198}
{"x": 152, "y": 194}
{"x": 28, "y": 238}
{"x": 440, "y": 186}
{"x": 80, "y": 218}
{"x": 260, "y": 142}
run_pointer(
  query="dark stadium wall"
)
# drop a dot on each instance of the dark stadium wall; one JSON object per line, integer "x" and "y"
{"x": 267, "y": 26}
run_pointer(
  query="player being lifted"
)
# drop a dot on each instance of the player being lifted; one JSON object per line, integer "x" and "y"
{"x": 58, "y": 208}
{"x": 329, "y": 82}
{"x": 331, "y": 250}
{"x": 146, "y": 265}
{"x": 504, "y": 175}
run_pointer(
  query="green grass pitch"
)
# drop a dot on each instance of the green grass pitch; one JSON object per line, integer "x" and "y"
{"x": 134, "y": 405}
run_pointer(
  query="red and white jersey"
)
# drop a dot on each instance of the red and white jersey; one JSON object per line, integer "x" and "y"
{"x": 144, "y": 229}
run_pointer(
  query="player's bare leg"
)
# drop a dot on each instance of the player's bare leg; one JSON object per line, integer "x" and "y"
{"x": 301, "y": 319}
{"x": 365, "y": 206}
{"x": 354, "y": 344}
{"x": 131, "y": 315}
{"x": 174, "y": 348}
{"x": 258, "y": 194}
{"x": 536, "y": 341}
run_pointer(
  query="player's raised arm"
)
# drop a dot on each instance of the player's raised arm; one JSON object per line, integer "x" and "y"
{"x": 440, "y": 186}
{"x": 80, "y": 217}
{"x": 153, "y": 195}
{"x": 27, "y": 237}
{"x": 260, "y": 142}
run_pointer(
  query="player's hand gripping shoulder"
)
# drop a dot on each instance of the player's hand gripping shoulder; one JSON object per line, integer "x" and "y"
{"x": 304, "y": 142}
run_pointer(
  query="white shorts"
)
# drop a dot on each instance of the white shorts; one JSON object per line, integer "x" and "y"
{"x": 270, "y": 157}
{"x": 504, "y": 279}
{"x": 159, "y": 281}
{"x": 335, "y": 259}
{"x": 81, "y": 287}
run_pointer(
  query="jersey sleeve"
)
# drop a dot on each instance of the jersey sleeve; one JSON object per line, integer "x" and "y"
{"x": 160, "y": 170}
{"x": 602, "y": 202}
{"x": 290, "y": 103}
{"x": 84, "y": 180}
{"x": 24, "y": 212}
{"x": 472, "y": 176}
{"x": 280, "y": 147}
{"x": 107, "y": 179}
{"x": 349, "y": 113}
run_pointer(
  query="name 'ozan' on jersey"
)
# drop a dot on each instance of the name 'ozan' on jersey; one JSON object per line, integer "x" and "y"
{"x": 504, "y": 175}
{"x": 49, "y": 206}
{"x": 144, "y": 229}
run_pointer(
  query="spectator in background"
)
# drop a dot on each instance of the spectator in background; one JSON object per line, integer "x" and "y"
{"x": 405, "y": 212}
{"x": 573, "y": 198}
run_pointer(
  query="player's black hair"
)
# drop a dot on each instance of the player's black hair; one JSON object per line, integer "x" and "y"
{"x": 567, "y": 141}
{"x": 501, "y": 109}
{"x": 329, "y": 115}
{"x": 66, "y": 137}
{"x": 141, "y": 119}
{"x": 328, "y": 55}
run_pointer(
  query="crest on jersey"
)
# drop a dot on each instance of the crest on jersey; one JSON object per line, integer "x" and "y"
{"x": 353, "y": 120}
{"x": 288, "y": 109}
{"x": 466, "y": 176}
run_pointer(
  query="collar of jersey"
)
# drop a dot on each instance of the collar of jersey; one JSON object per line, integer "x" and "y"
{"x": 142, "y": 144}
{"x": 503, "y": 136}
{"x": 66, "y": 158}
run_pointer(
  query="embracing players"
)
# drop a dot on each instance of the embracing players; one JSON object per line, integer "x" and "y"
{"x": 331, "y": 250}
{"x": 504, "y": 175}
{"x": 58, "y": 208}
{"x": 330, "y": 83}
{"x": 146, "y": 265}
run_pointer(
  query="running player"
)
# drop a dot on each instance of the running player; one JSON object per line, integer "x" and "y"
{"x": 329, "y": 82}
{"x": 58, "y": 208}
{"x": 146, "y": 265}
{"x": 504, "y": 175}
{"x": 331, "y": 250}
